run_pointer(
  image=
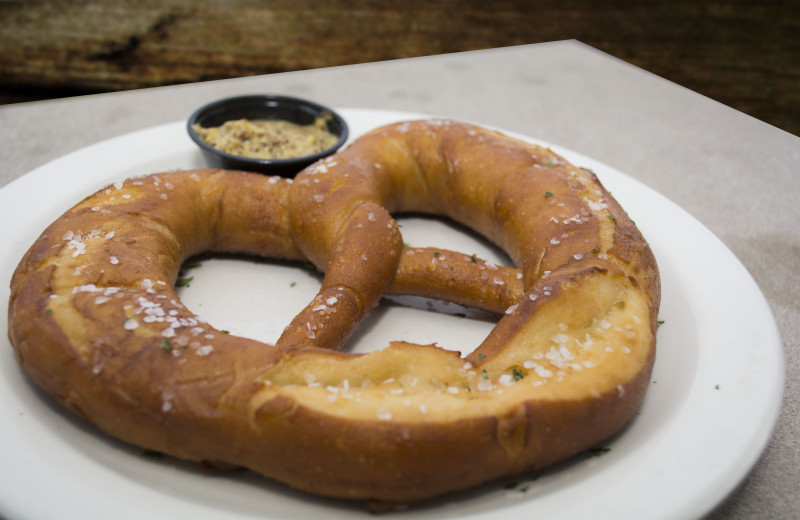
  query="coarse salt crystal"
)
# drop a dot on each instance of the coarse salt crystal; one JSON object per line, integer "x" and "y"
{"x": 131, "y": 324}
{"x": 506, "y": 380}
{"x": 204, "y": 350}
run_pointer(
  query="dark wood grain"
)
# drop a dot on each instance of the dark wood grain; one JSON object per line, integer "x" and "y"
{"x": 744, "y": 54}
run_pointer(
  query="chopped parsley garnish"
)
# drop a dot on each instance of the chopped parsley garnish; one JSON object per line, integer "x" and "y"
{"x": 184, "y": 282}
{"x": 48, "y": 312}
{"x": 548, "y": 194}
{"x": 484, "y": 374}
{"x": 517, "y": 375}
{"x": 659, "y": 323}
{"x": 166, "y": 344}
{"x": 596, "y": 452}
{"x": 551, "y": 164}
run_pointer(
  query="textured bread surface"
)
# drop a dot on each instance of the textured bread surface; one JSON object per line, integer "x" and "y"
{"x": 95, "y": 320}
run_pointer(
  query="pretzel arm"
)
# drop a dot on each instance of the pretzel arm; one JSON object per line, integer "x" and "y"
{"x": 356, "y": 277}
{"x": 458, "y": 278}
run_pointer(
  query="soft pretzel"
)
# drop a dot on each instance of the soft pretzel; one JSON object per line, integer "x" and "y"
{"x": 95, "y": 320}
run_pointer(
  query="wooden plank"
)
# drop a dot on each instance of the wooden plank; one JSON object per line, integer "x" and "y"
{"x": 741, "y": 53}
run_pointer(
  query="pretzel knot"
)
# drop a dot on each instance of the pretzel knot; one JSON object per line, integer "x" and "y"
{"x": 95, "y": 320}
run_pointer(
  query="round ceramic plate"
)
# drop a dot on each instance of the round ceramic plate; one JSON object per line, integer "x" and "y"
{"x": 714, "y": 399}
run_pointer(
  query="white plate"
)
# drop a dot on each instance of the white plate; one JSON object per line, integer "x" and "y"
{"x": 714, "y": 399}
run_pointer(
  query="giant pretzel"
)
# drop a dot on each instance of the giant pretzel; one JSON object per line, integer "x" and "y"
{"x": 95, "y": 320}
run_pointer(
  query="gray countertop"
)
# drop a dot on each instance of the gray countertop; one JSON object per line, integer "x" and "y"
{"x": 736, "y": 175}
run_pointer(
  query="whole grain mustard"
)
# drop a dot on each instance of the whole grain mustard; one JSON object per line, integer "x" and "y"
{"x": 268, "y": 139}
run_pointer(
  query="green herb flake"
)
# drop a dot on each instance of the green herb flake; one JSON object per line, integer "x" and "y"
{"x": 551, "y": 164}
{"x": 292, "y": 284}
{"x": 474, "y": 259}
{"x": 481, "y": 356}
{"x": 611, "y": 217}
{"x": 548, "y": 194}
{"x": 184, "y": 282}
{"x": 48, "y": 312}
{"x": 484, "y": 374}
{"x": 517, "y": 375}
{"x": 595, "y": 250}
{"x": 597, "y": 452}
{"x": 716, "y": 387}
{"x": 166, "y": 344}
{"x": 659, "y": 323}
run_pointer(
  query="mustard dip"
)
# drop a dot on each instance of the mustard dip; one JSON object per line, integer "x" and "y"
{"x": 268, "y": 139}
